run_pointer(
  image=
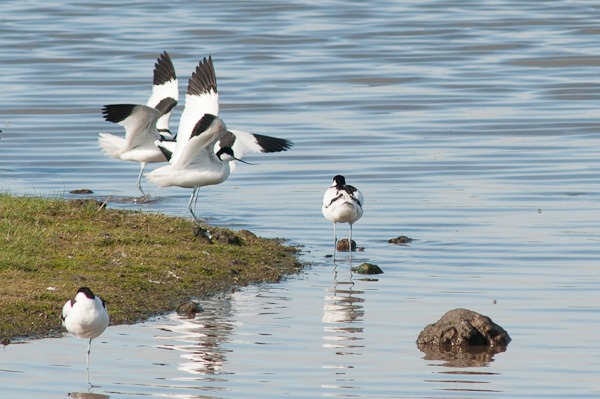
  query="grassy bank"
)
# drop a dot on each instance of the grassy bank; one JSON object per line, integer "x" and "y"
{"x": 141, "y": 263}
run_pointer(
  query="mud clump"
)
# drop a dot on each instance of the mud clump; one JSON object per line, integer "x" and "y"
{"x": 367, "y": 268}
{"x": 400, "y": 240}
{"x": 189, "y": 309}
{"x": 81, "y": 191}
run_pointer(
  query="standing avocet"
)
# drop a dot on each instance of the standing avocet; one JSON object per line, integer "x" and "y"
{"x": 342, "y": 203}
{"x": 205, "y": 150}
{"x": 86, "y": 317}
{"x": 144, "y": 124}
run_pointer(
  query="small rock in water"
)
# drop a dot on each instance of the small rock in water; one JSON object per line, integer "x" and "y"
{"x": 342, "y": 245}
{"x": 81, "y": 191}
{"x": 189, "y": 309}
{"x": 367, "y": 268}
{"x": 462, "y": 330}
{"x": 400, "y": 240}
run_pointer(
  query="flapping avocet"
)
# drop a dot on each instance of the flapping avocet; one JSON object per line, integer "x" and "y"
{"x": 205, "y": 150}
{"x": 85, "y": 316}
{"x": 342, "y": 203}
{"x": 144, "y": 124}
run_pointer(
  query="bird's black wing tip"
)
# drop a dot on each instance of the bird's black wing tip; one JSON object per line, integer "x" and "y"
{"x": 273, "y": 144}
{"x": 117, "y": 112}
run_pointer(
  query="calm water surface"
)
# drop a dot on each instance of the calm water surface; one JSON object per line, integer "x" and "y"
{"x": 470, "y": 126}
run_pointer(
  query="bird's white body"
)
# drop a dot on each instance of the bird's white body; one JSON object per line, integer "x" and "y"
{"x": 342, "y": 203}
{"x": 85, "y": 317}
{"x": 195, "y": 175}
{"x": 343, "y": 210}
{"x": 196, "y": 165}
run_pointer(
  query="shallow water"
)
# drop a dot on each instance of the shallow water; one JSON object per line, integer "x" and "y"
{"x": 471, "y": 127}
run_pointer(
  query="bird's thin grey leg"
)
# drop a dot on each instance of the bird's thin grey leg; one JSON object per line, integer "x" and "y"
{"x": 87, "y": 358}
{"x": 350, "y": 244}
{"x": 192, "y": 206}
{"x": 334, "y": 242}
{"x": 139, "y": 179}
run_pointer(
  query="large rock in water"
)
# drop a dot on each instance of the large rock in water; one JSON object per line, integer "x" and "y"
{"x": 462, "y": 330}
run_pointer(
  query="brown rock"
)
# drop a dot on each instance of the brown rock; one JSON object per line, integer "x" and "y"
{"x": 342, "y": 245}
{"x": 463, "y": 329}
{"x": 189, "y": 309}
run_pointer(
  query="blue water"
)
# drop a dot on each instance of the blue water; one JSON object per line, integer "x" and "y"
{"x": 471, "y": 127}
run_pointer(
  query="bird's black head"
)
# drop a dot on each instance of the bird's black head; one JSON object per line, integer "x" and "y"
{"x": 339, "y": 180}
{"x": 225, "y": 154}
{"x": 87, "y": 292}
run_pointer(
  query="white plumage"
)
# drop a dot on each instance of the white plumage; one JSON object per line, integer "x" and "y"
{"x": 85, "y": 316}
{"x": 201, "y": 97}
{"x": 342, "y": 203}
{"x": 165, "y": 93}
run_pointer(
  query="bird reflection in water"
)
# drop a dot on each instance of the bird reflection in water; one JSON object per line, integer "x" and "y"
{"x": 342, "y": 325}
{"x": 202, "y": 337}
{"x": 87, "y": 395}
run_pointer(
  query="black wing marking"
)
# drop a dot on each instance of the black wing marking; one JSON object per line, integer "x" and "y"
{"x": 164, "y": 70}
{"x": 204, "y": 79}
{"x": 203, "y": 124}
{"x": 166, "y": 105}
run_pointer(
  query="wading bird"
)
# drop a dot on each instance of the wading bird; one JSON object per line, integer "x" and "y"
{"x": 86, "y": 317}
{"x": 342, "y": 203}
{"x": 144, "y": 124}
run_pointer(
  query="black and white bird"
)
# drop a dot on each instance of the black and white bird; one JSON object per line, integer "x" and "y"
{"x": 342, "y": 203}
{"x": 205, "y": 150}
{"x": 144, "y": 124}
{"x": 85, "y": 316}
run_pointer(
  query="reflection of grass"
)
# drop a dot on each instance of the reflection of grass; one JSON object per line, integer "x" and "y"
{"x": 142, "y": 264}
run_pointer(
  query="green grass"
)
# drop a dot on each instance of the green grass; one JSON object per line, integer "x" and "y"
{"x": 141, "y": 263}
